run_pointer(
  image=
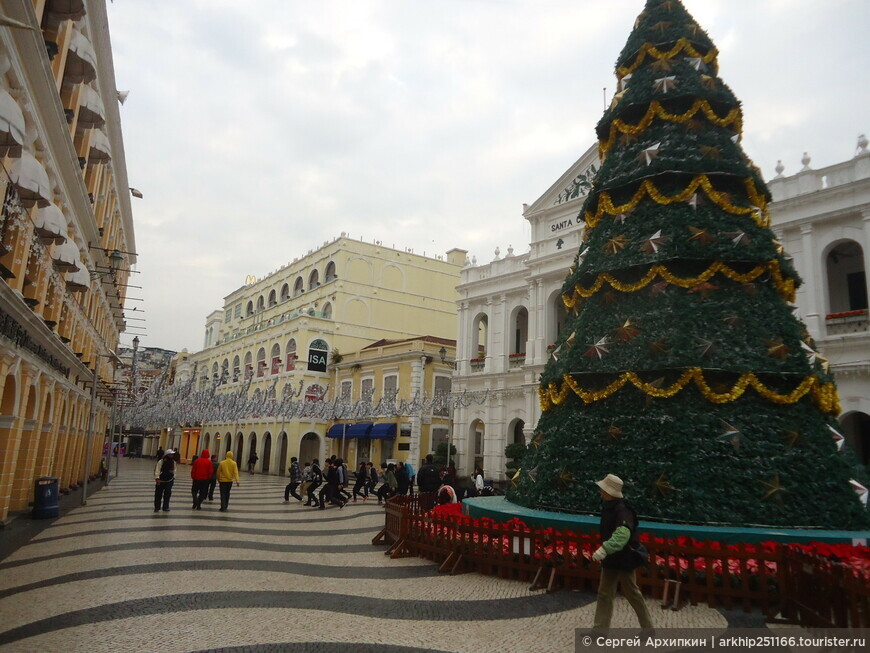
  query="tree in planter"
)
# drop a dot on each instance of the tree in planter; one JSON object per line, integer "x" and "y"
{"x": 682, "y": 367}
{"x": 514, "y": 452}
{"x": 440, "y": 457}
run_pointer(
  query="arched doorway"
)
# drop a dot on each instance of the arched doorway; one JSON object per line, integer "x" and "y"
{"x": 517, "y": 436}
{"x": 240, "y": 441}
{"x": 856, "y": 430}
{"x": 282, "y": 454}
{"x": 309, "y": 447}
{"x": 267, "y": 451}
{"x": 252, "y": 450}
{"x": 477, "y": 430}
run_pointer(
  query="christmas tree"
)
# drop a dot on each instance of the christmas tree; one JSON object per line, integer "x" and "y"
{"x": 683, "y": 367}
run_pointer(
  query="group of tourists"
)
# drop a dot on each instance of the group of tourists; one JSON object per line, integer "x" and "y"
{"x": 206, "y": 473}
{"x": 391, "y": 479}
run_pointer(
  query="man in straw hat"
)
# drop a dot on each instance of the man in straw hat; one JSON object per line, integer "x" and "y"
{"x": 618, "y": 556}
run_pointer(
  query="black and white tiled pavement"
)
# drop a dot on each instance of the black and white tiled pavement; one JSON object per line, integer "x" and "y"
{"x": 264, "y": 576}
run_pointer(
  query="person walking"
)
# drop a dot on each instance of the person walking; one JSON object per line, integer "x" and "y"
{"x": 295, "y": 480}
{"x": 388, "y": 489}
{"x": 478, "y": 481}
{"x": 360, "y": 488}
{"x": 160, "y": 453}
{"x": 212, "y": 483}
{"x": 228, "y": 471}
{"x": 403, "y": 481}
{"x": 316, "y": 480}
{"x": 428, "y": 479}
{"x": 617, "y": 554}
{"x": 164, "y": 478}
{"x": 331, "y": 490}
{"x": 343, "y": 480}
{"x": 201, "y": 473}
{"x": 252, "y": 460}
{"x": 373, "y": 477}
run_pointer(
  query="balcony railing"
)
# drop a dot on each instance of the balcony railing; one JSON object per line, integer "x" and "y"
{"x": 517, "y": 360}
{"x": 847, "y": 322}
{"x": 477, "y": 364}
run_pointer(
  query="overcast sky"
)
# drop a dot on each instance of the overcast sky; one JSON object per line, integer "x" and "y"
{"x": 258, "y": 130}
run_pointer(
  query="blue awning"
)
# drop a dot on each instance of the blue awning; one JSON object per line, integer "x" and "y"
{"x": 383, "y": 431}
{"x": 352, "y": 430}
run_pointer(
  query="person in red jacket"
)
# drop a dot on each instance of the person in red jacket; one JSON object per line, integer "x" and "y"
{"x": 201, "y": 473}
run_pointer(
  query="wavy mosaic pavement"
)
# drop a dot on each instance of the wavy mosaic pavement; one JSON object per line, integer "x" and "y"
{"x": 265, "y": 576}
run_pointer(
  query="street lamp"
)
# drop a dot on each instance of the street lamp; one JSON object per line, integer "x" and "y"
{"x": 91, "y": 412}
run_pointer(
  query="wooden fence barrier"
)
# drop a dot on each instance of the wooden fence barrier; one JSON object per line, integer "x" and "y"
{"x": 787, "y": 584}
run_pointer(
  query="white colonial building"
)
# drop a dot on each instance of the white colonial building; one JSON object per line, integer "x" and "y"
{"x": 510, "y": 310}
{"x": 822, "y": 218}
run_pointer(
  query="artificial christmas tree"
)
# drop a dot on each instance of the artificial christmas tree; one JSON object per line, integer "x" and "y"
{"x": 682, "y": 367}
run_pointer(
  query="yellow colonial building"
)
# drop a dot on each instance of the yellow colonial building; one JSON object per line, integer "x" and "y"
{"x": 386, "y": 389}
{"x": 280, "y": 336}
{"x": 66, "y": 241}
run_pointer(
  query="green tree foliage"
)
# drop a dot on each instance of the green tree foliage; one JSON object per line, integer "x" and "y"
{"x": 514, "y": 452}
{"x": 682, "y": 367}
{"x": 440, "y": 455}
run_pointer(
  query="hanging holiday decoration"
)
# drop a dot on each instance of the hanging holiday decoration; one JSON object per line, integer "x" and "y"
{"x": 651, "y": 245}
{"x": 775, "y": 489}
{"x": 732, "y": 435}
{"x": 860, "y": 490}
{"x": 599, "y": 347}
{"x": 838, "y": 437}
{"x": 663, "y": 486}
{"x": 627, "y": 331}
{"x": 709, "y": 396}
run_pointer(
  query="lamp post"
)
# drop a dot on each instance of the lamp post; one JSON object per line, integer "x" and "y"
{"x": 442, "y": 353}
{"x": 90, "y": 429}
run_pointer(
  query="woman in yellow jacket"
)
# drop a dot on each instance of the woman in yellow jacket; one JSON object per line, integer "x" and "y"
{"x": 227, "y": 472}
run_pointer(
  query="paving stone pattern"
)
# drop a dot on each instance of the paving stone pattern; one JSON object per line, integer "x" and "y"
{"x": 266, "y": 576}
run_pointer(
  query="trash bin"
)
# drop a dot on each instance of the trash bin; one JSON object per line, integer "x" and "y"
{"x": 45, "y": 505}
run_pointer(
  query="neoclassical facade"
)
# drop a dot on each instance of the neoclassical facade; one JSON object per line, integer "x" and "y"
{"x": 510, "y": 314}
{"x": 282, "y": 334}
{"x": 66, "y": 242}
{"x": 510, "y": 309}
{"x": 822, "y": 218}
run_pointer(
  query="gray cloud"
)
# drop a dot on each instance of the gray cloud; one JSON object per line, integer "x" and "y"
{"x": 259, "y": 130}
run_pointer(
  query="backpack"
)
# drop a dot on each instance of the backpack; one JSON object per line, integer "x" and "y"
{"x": 167, "y": 470}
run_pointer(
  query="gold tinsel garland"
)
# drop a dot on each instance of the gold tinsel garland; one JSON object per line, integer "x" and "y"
{"x": 656, "y": 110}
{"x": 683, "y": 45}
{"x": 784, "y": 286}
{"x": 723, "y": 200}
{"x": 824, "y": 394}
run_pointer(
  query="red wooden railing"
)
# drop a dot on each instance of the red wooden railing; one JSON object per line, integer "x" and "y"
{"x": 794, "y": 586}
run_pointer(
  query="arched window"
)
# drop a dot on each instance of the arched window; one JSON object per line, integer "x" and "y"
{"x": 327, "y": 311}
{"x": 272, "y": 300}
{"x": 557, "y": 317}
{"x": 298, "y": 287}
{"x": 276, "y": 358}
{"x": 314, "y": 392}
{"x": 225, "y": 371}
{"x": 236, "y": 370}
{"x": 249, "y": 310}
{"x": 285, "y": 292}
{"x": 330, "y": 273}
{"x": 249, "y": 365}
{"x": 313, "y": 280}
{"x": 261, "y": 362}
{"x": 291, "y": 354}
{"x": 214, "y": 372}
{"x": 479, "y": 332}
{"x": 318, "y": 351}
{"x": 520, "y": 331}
{"x": 261, "y": 303}
{"x": 847, "y": 279}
